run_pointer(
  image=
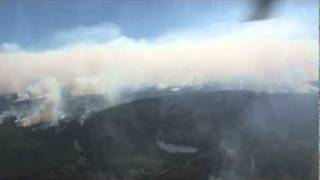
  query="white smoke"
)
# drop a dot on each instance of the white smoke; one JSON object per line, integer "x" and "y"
{"x": 49, "y": 111}
{"x": 103, "y": 68}
{"x": 259, "y": 52}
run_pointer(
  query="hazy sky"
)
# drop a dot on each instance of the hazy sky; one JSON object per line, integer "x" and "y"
{"x": 32, "y": 23}
{"x": 101, "y": 46}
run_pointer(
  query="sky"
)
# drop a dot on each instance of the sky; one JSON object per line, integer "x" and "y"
{"x": 32, "y": 23}
{"x": 100, "y": 46}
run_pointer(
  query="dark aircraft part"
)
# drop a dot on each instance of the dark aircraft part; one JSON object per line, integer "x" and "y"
{"x": 262, "y": 10}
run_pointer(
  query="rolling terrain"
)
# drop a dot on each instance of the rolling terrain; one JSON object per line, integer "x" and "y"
{"x": 218, "y": 135}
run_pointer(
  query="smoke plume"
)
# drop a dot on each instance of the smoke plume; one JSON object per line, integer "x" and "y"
{"x": 49, "y": 111}
{"x": 253, "y": 53}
